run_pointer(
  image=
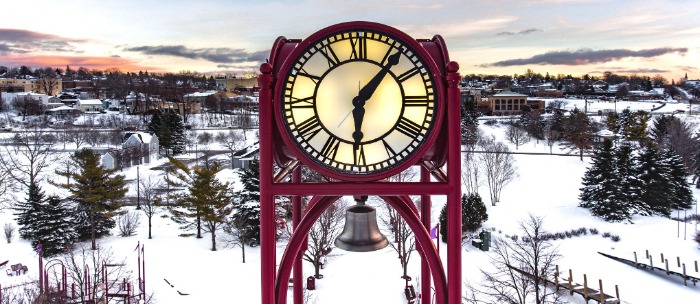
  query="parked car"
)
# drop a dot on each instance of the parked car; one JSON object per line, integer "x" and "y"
{"x": 5, "y": 129}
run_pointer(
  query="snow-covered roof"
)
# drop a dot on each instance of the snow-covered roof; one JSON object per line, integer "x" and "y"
{"x": 201, "y": 94}
{"x": 142, "y": 137}
{"x": 509, "y": 93}
{"x": 62, "y": 108}
{"x": 90, "y": 102}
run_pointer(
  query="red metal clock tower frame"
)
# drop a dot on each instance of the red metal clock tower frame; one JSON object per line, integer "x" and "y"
{"x": 443, "y": 153}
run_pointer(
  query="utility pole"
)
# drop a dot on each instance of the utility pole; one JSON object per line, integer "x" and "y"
{"x": 138, "y": 189}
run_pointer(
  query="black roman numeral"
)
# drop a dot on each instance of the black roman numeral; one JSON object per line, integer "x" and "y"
{"x": 408, "y": 74}
{"x": 297, "y": 103}
{"x": 327, "y": 51}
{"x": 309, "y": 128}
{"x": 388, "y": 52}
{"x": 359, "y": 156}
{"x": 389, "y": 150}
{"x": 416, "y": 101}
{"x": 408, "y": 127}
{"x": 359, "y": 47}
{"x": 314, "y": 78}
{"x": 330, "y": 148}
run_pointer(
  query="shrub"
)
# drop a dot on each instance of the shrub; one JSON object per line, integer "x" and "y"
{"x": 9, "y": 232}
{"x": 593, "y": 231}
{"x": 128, "y": 222}
{"x": 615, "y": 238}
{"x": 697, "y": 237}
{"x": 606, "y": 234}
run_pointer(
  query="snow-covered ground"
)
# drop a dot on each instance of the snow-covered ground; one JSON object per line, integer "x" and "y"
{"x": 547, "y": 186}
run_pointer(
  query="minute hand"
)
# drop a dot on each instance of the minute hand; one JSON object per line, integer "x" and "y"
{"x": 367, "y": 91}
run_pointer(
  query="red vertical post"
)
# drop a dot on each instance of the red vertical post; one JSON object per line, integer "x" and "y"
{"x": 143, "y": 277}
{"x": 41, "y": 273}
{"x": 296, "y": 218}
{"x": 267, "y": 212}
{"x": 454, "y": 169}
{"x": 426, "y": 294}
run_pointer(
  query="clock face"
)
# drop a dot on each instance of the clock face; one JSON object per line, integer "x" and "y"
{"x": 358, "y": 102}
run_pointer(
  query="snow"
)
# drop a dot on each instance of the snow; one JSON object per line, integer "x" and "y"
{"x": 547, "y": 186}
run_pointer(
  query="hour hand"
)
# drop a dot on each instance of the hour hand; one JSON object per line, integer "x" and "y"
{"x": 358, "y": 114}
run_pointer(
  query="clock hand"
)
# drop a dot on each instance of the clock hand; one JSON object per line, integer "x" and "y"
{"x": 358, "y": 112}
{"x": 348, "y": 115}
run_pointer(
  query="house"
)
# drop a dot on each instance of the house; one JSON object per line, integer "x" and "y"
{"x": 507, "y": 103}
{"x": 242, "y": 158}
{"x": 139, "y": 147}
{"x": 109, "y": 160}
{"x": 90, "y": 105}
{"x": 62, "y": 111}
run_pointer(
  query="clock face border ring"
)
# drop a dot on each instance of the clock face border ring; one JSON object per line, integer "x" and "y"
{"x": 405, "y": 39}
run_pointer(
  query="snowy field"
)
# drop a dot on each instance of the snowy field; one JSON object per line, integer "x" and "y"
{"x": 547, "y": 186}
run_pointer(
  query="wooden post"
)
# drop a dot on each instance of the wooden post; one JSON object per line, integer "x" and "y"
{"x": 600, "y": 284}
{"x": 662, "y": 256}
{"x": 617, "y": 294}
{"x": 647, "y": 256}
{"x": 585, "y": 287}
{"x": 556, "y": 278}
{"x": 571, "y": 285}
{"x": 685, "y": 277}
{"x": 666, "y": 266}
{"x": 696, "y": 266}
{"x": 651, "y": 263}
{"x": 679, "y": 261}
{"x": 635, "y": 260}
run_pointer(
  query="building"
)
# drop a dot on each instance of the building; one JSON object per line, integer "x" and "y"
{"x": 90, "y": 105}
{"x": 244, "y": 86}
{"x": 507, "y": 103}
{"x": 140, "y": 147}
{"x": 14, "y": 85}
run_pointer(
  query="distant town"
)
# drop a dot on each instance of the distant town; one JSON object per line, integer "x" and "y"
{"x": 62, "y": 92}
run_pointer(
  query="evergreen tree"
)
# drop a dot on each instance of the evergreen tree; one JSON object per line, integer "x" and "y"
{"x": 469, "y": 120}
{"x": 660, "y": 129}
{"x": 55, "y": 227}
{"x": 578, "y": 131}
{"x": 214, "y": 199}
{"x": 657, "y": 194}
{"x": 246, "y": 209}
{"x": 682, "y": 194}
{"x": 600, "y": 184}
{"x": 97, "y": 194}
{"x": 473, "y": 215}
{"x": 170, "y": 129}
{"x": 629, "y": 186}
{"x": 27, "y": 211}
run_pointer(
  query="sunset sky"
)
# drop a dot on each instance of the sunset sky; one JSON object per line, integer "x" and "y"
{"x": 484, "y": 36}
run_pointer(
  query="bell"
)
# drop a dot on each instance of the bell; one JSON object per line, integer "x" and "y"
{"x": 361, "y": 233}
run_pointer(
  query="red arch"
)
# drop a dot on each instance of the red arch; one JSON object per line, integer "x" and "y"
{"x": 406, "y": 209}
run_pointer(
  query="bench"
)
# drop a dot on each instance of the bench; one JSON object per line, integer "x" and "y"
{"x": 17, "y": 269}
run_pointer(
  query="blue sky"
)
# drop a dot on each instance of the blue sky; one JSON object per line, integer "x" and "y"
{"x": 493, "y": 37}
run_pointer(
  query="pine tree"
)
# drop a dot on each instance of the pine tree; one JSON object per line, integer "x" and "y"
{"x": 177, "y": 129}
{"x": 27, "y": 211}
{"x": 626, "y": 198}
{"x": 246, "y": 208}
{"x": 55, "y": 227}
{"x": 657, "y": 194}
{"x": 214, "y": 197}
{"x": 473, "y": 215}
{"x": 97, "y": 194}
{"x": 682, "y": 194}
{"x": 578, "y": 131}
{"x": 600, "y": 184}
{"x": 170, "y": 130}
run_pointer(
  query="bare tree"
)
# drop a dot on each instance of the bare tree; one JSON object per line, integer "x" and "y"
{"x": 404, "y": 243}
{"x": 150, "y": 199}
{"x": 27, "y": 105}
{"x": 128, "y": 222}
{"x": 551, "y": 137}
{"x": 236, "y": 234}
{"x": 83, "y": 262}
{"x": 498, "y": 166}
{"x": 9, "y": 232}
{"x": 76, "y": 136}
{"x": 21, "y": 293}
{"x": 232, "y": 140}
{"x": 517, "y": 135}
{"x": 471, "y": 174}
{"x": 323, "y": 234}
{"x": 522, "y": 267}
{"x": 24, "y": 160}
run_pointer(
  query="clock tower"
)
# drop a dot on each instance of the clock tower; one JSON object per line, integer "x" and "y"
{"x": 359, "y": 102}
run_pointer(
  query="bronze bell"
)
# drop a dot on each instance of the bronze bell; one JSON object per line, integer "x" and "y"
{"x": 361, "y": 233}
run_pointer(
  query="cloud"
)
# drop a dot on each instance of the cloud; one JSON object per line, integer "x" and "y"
{"x": 523, "y": 32}
{"x": 688, "y": 68}
{"x": 631, "y": 71}
{"x": 90, "y": 62}
{"x": 586, "y": 56}
{"x": 216, "y": 55}
{"x": 23, "y": 42}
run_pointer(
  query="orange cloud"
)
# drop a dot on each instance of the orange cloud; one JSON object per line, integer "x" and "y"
{"x": 90, "y": 62}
